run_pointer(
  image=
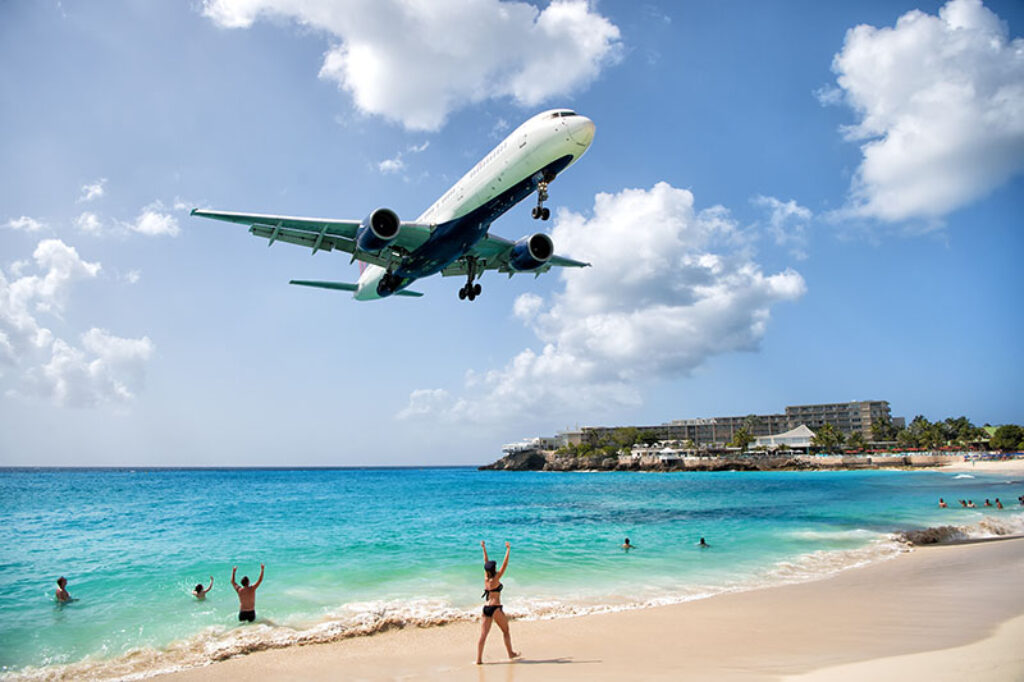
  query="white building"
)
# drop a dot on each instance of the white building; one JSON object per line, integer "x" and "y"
{"x": 798, "y": 438}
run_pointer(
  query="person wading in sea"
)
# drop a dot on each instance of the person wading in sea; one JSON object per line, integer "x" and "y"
{"x": 493, "y": 611}
{"x": 246, "y": 595}
{"x": 62, "y": 593}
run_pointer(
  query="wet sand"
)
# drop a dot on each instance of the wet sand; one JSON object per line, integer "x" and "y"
{"x": 938, "y": 613}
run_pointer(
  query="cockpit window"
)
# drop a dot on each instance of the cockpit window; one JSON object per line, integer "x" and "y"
{"x": 559, "y": 114}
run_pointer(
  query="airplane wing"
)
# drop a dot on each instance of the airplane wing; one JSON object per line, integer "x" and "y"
{"x": 492, "y": 253}
{"x": 323, "y": 234}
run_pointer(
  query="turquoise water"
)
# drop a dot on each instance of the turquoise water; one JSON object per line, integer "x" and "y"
{"x": 350, "y": 550}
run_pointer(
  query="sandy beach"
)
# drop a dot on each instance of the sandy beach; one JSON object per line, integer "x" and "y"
{"x": 938, "y": 613}
{"x": 1002, "y": 466}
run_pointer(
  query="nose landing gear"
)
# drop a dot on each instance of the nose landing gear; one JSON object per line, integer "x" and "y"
{"x": 540, "y": 211}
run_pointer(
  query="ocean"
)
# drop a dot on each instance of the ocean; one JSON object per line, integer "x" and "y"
{"x": 352, "y": 551}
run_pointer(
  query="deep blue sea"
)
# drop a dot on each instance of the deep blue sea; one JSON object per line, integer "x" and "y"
{"x": 349, "y": 551}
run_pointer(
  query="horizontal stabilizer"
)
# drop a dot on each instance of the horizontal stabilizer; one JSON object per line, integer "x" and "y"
{"x": 341, "y": 286}
{"x": 345, "y": 286}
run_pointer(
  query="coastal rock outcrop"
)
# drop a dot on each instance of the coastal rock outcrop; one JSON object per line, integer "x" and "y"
{"x": 528, "y": 460}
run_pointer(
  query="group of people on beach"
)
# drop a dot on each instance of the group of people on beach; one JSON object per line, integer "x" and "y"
{"x": 969, "y": 504}
{"x": 246, "y": 593}
{"x": 493, "y": 610}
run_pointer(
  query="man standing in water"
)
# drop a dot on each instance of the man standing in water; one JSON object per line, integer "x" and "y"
{"x": 246, "y": 595}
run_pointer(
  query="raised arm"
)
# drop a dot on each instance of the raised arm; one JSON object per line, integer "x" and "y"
{"x": 211, "y": 584}
{"x": 234, "y": 570}
{"x": 504, "y": 564}
{"x": 484, "y": 545}
{"x": 260, "y": 579}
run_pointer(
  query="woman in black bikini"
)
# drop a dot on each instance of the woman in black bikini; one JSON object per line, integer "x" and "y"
{"x": 493, "y": 612}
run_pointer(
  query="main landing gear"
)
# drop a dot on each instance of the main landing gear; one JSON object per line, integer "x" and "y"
{"x": 540, "y": 211}
{"x": 470, "y": 290}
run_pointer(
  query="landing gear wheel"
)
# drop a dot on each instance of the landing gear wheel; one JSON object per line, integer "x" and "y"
{"x": 539, "y": 212}
{"x": 472, "y": 294}
{"x": 462, "y": 294}
{"x": 476, "y": 291}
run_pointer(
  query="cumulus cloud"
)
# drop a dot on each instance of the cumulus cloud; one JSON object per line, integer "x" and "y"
{"x": 92, "y": 191}
{"x": 396, "y": 164}
{"x": 25, "y": 223}
{"x": 940, "y": 102}
{"x": 105, "y": 368}
{"x": 89, "y": 223}
{"x": 388, "y": 56}
{"x": 153, "y": 221}
{"x": 392, "y": 165}
{"x": 787, "y": 223}
{"x": 670, "y": 287}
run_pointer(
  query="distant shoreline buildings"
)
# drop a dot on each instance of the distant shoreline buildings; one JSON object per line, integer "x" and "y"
{"x": 716, "y": 432}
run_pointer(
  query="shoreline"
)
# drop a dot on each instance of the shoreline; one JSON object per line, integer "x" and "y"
{"x": 924, "y": 606}
{"x": 551, "y": 461}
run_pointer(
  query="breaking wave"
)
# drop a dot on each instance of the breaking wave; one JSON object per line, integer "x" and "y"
{"x": 987, "y": 528}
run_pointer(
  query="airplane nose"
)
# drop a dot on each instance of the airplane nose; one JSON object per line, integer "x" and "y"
{"x": 582, "y": 131}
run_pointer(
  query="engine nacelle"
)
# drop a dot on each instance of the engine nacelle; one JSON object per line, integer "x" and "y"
{"x": 531, "y": 252}
{"x": 378, "y": 230}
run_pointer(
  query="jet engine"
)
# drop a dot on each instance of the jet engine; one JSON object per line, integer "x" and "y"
{"x": 529, "y": 253}
{"x": 378, "y": 230}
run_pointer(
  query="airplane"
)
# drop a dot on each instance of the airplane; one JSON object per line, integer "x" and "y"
{"x": 450, "y": 237}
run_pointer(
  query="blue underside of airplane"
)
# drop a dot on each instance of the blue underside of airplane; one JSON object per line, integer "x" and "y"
{"x": 451, "y": 240}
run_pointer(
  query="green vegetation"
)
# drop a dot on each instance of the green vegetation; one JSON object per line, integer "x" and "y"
{"x": 741, "y": 439}
{"x": 828, "y": 438}
{"x": 1008, "y": 437}
{"x": 855, "y": 441}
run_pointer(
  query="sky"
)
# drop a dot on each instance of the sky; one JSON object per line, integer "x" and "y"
{"x": 785, "y": 203}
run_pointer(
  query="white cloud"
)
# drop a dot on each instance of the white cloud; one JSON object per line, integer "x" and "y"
{"x": 25, "y": 223}
{"x": 669, "y": 288}
{"x": 105, "y": 369}
{"x": 940, "y": 101}
{"x": 396, "y": 164}
{"x": 390, "y": 59}
{"x": 787, "y": 223}
{"x": 89, "y": 223}
{"x": 393, "y": 165}
{"x": 154, "y": 222}
{"x": 133, "y": 276}
{"x": 92, "y": 191}
{"x": 104, "y": 372}
{"x": 27, "y": 295}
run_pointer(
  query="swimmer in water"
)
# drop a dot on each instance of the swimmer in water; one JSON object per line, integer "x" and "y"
{"x": 942, "y": 503}
{"x": 62, "y": 592}
{"x": 199, "y": 592}
{"x": 702, "y": 544}
{"x": 626, "y": 546}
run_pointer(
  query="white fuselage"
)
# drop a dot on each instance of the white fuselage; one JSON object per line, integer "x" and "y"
{"x": 535, "y": 144}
